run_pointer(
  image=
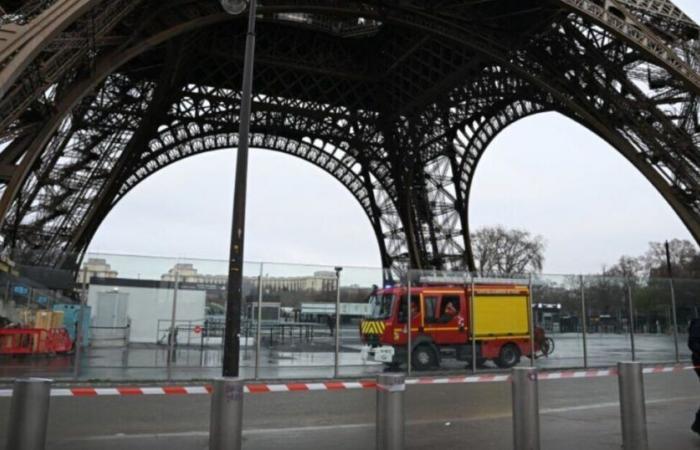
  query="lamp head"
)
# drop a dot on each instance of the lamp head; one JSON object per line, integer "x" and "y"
{"x": 234, "y": 7}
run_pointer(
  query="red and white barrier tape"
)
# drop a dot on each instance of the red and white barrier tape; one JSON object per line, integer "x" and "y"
{"x": 262, "y": 388}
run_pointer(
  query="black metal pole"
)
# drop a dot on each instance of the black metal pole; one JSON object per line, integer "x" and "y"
{"x": 234, "y": 295}
{"x": 674, "y": 319}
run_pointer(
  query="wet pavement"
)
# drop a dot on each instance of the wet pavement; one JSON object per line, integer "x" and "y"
{"x": 574, "y": 414}
{"x": 302, "y": 359}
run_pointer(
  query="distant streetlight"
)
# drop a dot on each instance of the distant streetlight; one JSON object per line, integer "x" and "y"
{"x": 234, "y": 296}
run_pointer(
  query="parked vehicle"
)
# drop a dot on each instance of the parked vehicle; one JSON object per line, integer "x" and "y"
{"x": 441, "y": 324}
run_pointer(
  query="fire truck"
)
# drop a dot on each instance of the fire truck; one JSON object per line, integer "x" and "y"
{"x": 441, "y": 323}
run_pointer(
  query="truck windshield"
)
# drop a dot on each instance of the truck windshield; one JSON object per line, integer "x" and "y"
{"x": 380, "y": 306}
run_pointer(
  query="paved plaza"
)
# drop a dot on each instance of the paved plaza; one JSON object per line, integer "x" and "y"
{"x": 575, "y": 414}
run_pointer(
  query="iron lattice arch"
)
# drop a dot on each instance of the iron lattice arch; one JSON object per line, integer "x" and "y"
{"x": 396, "y": 99}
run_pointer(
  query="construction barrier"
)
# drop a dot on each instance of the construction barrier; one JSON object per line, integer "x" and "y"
{"x": 265, "y": 388}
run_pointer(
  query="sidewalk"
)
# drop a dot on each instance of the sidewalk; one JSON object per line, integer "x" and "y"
{"x": 575, "y": 414}
{"x": 595, "y": 428}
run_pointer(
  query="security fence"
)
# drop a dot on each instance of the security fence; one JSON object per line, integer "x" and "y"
{"x": 155, "y": 318}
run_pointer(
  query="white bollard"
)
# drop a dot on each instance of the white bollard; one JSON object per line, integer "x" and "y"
{"x": 526, "y": 410}
{"x": 390, "y": 411}
{"x": 29, "y": 414}
{"x": 226, "y": 420}
{"x": 632, "y": 407}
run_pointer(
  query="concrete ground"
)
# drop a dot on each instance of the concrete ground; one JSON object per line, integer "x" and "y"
{"x": 575, "y": 414}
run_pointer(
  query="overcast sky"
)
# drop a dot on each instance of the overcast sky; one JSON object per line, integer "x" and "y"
{"x": 544, "y": 174}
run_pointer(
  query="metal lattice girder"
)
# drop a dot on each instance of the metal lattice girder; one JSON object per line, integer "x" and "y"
{"x": 397, "y": 100}
{"x": 660, "y": 8}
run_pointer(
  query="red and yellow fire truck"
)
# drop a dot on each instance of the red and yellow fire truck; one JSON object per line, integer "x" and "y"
{"x": 440, "y": 324}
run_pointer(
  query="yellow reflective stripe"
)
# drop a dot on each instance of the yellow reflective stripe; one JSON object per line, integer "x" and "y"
{"x": 441, "y": 329}
{"x": 373, "y": 327}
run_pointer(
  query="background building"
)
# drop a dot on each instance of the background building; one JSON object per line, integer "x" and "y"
{"x": 320, "y": 281}
{"x": 187, "y": 273}
{"x": 95, "y": 268}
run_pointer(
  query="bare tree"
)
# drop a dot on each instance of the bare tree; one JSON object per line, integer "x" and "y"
{"x": 683, "y": 256}
{"x": 501, "y": 251}
{"x": 627, "y": 267}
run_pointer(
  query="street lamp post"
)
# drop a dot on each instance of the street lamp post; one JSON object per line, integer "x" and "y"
{"x": 234, "y": 295}
{"x": 226, "y": 414}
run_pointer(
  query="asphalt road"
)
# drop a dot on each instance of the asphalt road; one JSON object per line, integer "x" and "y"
{"x": 576, "y": 414}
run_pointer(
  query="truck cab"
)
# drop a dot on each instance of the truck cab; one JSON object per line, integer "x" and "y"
{"x": 441, "y": 324}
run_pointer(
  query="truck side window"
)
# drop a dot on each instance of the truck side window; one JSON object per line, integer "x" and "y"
{"x": 403, "y": 313}
{"x": 449, "y": 308}
{"x": 430, "y": 305}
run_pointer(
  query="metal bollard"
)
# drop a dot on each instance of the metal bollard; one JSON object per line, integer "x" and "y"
{"x": 226, "y": 420}
{"x": 632, "y": 408}
{"x": 390, "y": 411}
{"x": 526, "y": 410}
{"x": 29, "y": 413}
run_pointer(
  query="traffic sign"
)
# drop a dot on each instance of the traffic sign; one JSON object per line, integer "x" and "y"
{"x": 197, "y": 329}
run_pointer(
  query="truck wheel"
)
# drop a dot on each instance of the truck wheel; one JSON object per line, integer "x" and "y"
{"x": 548, "y": 346}
{"x": 508, "y": 357}
{"x": 423, "y": 358}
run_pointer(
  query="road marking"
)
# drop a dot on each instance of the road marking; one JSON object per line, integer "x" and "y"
{"x": 611, "y": 405}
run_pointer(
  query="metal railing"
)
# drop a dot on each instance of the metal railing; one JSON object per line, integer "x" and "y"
{"x": 597, "y": 316}
{"x": 101, "y": 337}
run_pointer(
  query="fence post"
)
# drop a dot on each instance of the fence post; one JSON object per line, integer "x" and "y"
{"x": 584, "y": 323}
{"x": 390, "y": 411}
{"x": 29, "y": 413}
{"x": 632, "y": 407}
{"x": 472, "y": 331}
{"x": 630, "y": 307}
{"x": 674, "y": 319}
{"x": 531, "y": 320}
{"x": 189, "y": 335}
{"x": 226, "y": 420}
{"x": 526, "y": 411}
{"x": 171, "y": 337}
{"x": 337, "y": 322}
{"x": 258, "y": 324}
{"x": 409, "y": 319}
{"x": 79, "y": 330}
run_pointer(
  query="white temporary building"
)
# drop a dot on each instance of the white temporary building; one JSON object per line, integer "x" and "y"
{"x": 143, "y": 303}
